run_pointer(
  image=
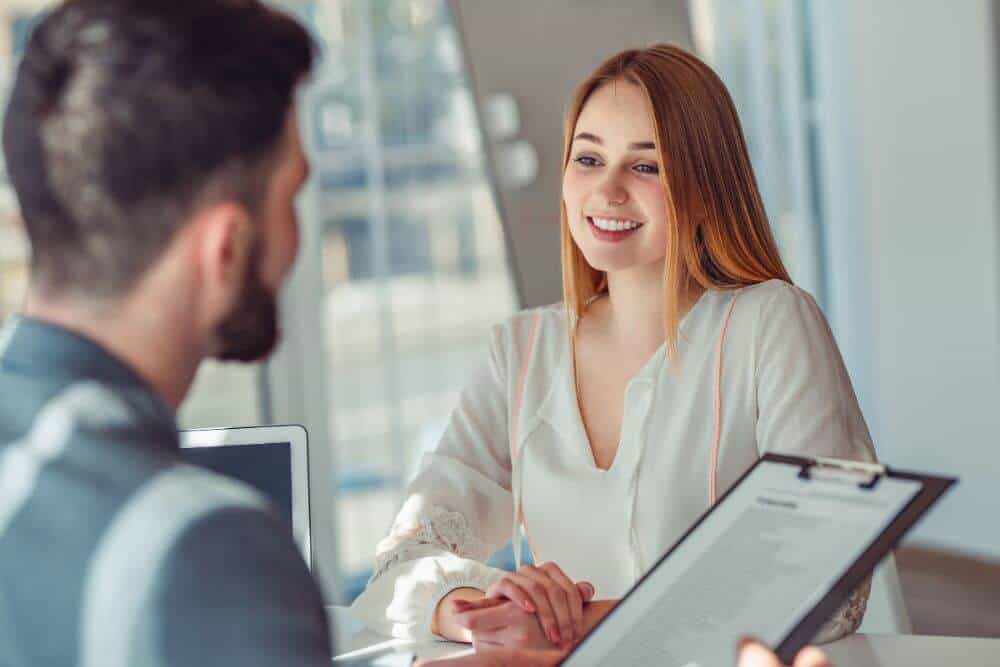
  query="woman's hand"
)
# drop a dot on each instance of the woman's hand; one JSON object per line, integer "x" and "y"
{"x": 545, "y": 590}
{"x": 500, "y": 623}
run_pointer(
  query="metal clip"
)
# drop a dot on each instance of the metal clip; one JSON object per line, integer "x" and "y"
{"x": 865, "y": 475}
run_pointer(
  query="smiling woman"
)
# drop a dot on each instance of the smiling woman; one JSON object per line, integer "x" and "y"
{"x": 611, "y": 185}
{"x": 687, "y": 163}
{"x": 603, "y": 426}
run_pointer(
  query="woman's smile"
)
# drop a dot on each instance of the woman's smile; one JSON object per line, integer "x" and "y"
{"x": 612, "y": 229}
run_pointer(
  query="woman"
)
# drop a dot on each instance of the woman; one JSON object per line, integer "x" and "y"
{"x": 608, "y": 423}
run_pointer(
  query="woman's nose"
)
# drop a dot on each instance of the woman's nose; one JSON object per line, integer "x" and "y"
{"x": 611, "y": 192}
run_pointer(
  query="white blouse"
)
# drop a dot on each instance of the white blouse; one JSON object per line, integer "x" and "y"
{"x": 783, "y": 387}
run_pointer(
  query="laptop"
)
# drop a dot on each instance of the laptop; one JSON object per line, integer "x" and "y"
{"x": 272, "y": 459}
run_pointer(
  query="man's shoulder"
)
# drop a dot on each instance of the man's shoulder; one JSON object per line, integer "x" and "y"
{"x": 237, "y": 564}
{"x": 174, "y": 500}
{"x": 218, "y": 526}
{"x": 86, "y": 410}
{"x": 232, "y": 538}
{"x": 198, "y": 554}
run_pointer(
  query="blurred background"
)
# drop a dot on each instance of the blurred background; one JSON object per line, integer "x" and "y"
{"x": 435, "y": 132}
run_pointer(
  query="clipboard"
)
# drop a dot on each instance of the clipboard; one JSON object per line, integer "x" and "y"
{"x": 865, "y": 507}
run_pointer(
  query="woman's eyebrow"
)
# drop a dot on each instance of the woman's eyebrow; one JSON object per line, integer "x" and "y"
{"x": 635, "y": 146}
{"x": 587, "y": 136}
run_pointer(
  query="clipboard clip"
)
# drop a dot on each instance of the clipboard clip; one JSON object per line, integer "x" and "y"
{"x": 865, "y": 475}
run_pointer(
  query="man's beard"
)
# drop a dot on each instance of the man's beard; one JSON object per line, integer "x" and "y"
{"x": 250, "y": 332}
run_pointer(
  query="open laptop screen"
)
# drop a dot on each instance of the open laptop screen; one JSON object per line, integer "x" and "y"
{"x": 267, "y": 467}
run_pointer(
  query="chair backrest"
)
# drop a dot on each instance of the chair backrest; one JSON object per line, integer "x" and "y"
{"x": 887, "y": 613}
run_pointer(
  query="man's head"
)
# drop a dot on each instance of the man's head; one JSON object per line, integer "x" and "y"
{"x": 148, "y": 132}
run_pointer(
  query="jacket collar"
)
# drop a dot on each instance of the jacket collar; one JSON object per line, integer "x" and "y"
{"x": 32, "y": 347}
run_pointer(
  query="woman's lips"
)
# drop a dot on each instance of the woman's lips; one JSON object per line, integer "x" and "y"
{"x": 609, "y": 235}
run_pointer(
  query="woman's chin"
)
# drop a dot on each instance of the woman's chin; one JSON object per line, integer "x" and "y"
{"x": 616, "y": 262}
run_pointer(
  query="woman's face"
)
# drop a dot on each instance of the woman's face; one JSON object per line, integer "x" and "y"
{"x": 615, "y": 204}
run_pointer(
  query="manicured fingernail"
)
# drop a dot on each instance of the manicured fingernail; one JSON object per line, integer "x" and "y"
{"x": 554, "y": 636}
{"x": 590, "y": 589}
{"x": 528, "y": 607}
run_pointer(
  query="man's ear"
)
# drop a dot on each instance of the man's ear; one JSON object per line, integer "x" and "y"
{"x": 226, "y": 239}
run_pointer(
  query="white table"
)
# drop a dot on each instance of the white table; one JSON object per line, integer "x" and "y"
{"x": 354, "y": 641}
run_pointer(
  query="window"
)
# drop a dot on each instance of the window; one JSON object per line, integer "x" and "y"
{"x": 762, "y": 50}
{"x": 412, "y": 259}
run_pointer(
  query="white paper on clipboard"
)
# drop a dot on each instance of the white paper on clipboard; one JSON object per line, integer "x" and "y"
{"x": 756, "y": 565}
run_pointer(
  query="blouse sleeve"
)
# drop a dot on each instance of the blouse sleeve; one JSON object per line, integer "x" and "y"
{"x": 456, "y": 515}
{"x": 806, "y": 405}
{"x": 805, "y": 402}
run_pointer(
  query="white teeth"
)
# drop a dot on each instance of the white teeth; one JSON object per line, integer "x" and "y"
{"x": 610, "y": 225}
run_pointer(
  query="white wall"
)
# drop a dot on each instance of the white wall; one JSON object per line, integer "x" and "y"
{"x": 538, "y": 50}
{"x": 921, "y": 76}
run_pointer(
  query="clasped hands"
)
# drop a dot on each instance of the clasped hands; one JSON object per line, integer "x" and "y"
{"x": 537, "y": 607}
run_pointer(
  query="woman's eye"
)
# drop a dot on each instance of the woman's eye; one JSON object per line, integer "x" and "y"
{"x": 586, "y": 161}
{"x": 647, "y": 168}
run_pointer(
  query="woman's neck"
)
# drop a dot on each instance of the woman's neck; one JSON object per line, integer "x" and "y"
{"x": 634, "y": 311}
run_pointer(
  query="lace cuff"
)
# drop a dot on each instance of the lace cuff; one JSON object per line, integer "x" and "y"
{"x": 401, "y": 602}
{"x": 848, "y": 618}
{"x": 441, "y": 529}
{"x": 419, "y": 563}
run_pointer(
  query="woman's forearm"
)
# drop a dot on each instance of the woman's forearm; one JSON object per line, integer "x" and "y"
{"x": 443, "y": 623}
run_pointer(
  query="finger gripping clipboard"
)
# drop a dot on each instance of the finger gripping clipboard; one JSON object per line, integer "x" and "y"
{"x": 775, "y": 558}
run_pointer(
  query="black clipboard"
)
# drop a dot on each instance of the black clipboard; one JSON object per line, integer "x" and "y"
{"x": 865, "y": 476}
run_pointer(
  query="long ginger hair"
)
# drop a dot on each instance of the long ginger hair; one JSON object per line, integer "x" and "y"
{"x": 717, "y": 230}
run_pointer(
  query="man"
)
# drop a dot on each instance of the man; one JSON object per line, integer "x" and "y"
{"x": 155, "y": 155}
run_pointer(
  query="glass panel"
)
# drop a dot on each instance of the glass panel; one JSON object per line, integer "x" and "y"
{"x": 224, "y": 394}
{"x": 762, "y": 52}
{"x": 414, "y": 260}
